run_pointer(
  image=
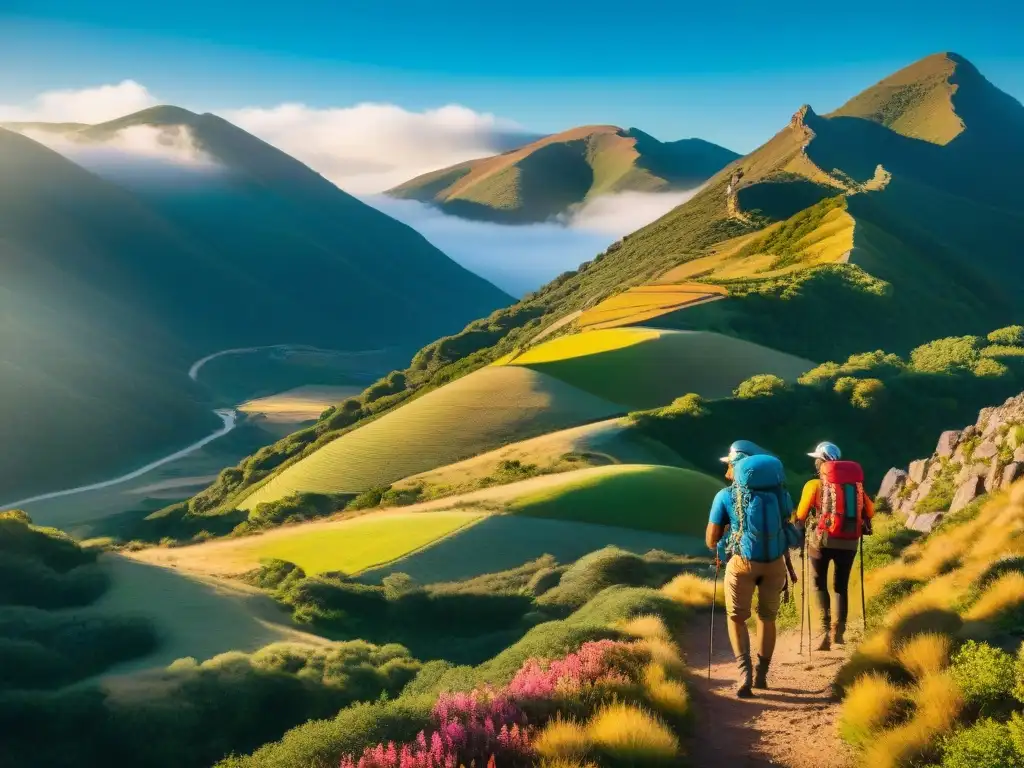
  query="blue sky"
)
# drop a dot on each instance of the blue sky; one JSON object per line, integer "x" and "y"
{"x": 729, "y": 72}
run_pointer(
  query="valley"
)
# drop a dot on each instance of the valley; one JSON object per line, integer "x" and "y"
{"x": 438, "y": 526}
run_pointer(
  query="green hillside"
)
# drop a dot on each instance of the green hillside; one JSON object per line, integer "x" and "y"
{"x": 252, "y": 248}
{"x": 550, "y": 176}
{"x": 934, "y": 240}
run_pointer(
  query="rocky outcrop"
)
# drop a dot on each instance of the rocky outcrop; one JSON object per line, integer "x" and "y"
{"x": 984, "y": 457}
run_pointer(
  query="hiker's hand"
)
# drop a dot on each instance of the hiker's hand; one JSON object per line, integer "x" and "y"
{"x": 867, "y": 527}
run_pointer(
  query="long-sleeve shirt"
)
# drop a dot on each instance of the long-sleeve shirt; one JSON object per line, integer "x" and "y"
{"x": 808, "y": 508}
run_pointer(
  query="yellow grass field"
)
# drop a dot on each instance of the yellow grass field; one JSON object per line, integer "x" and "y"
{"x": 479, "y": 412}
{"x": 646, "y": 368}
{"x": 349, "y": 546}
{"x": 647, "y": 302}
{"x": 831, "y": 241}
{"x": 299, "y": 404}
{"x": 604, "y": 442}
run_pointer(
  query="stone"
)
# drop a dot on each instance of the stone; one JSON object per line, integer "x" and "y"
{"x": 948, "y": 441}
{"x": 986, "y": 450}
{"x": 917, "y": 470}
{"x": 1012, "y": 473}
{"x": 966, "y": 493}
{"x": 925, "y": 522}
{"x": 895, "y": 480}
{"x": 968, "y": 471}
{"x": 922, "y": 491}
{"x": 1018, "y": 455}
{"x": 993, "y": 478}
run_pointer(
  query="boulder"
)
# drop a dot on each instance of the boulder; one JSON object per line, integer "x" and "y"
{"x": 966, "y": 493}
{"x": 917, "y": 470}
{"x": 968, "y": 471}
{"x": 948, "y": 441}
{"x": 986, "y": 450}
{"x": 925, "y": 522}
{"x": 1012, "y": 473}
{"x": 895, "y": 480}
{"x": 993, "y": 478}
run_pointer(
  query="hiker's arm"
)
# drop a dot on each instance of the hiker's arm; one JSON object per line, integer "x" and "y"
{"x": 869, "y": 507}
{"x": 713, "y": 535}
{"x": 807, "y": 498}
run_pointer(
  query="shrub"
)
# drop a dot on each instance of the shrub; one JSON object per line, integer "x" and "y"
{"x": 946, "y": 355}
{"x": 760, "y": 385}
{"x": 986, "y": 366}
{"x": 693, "y": 591}
{"x": 985, "y": 743}
{"x": 985, "y": 675}
{"x": 563, "y": 740}
{"x": 1018, "y": 686}
{"x": 1012, "y": 336}
{"x": 866, "y": 393}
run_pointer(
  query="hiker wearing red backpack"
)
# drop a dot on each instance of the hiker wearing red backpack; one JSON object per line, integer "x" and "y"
{"x": 752, "y": 517}
{"x": 835, "y": 512}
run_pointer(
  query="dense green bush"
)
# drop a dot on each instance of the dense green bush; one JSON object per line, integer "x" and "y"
{"x": 1011, "y": 336}
{"x": 985, "y": 743}
{"x": 761, "y": 385}
{"x": 985, "y": 674}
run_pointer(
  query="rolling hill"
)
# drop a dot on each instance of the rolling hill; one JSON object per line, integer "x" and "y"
{"x": 552, "y": 175}
{"x": 120, "y": 268}
{"x": 836, "y": 236}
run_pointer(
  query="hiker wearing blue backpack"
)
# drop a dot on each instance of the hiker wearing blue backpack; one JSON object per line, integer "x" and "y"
{"x": 752, "y": 518}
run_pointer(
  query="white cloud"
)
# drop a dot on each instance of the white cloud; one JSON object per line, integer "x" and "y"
{"x": 521, "y": 258}
{"x": 88, "y": 105}
{"x": 369, "y": 148}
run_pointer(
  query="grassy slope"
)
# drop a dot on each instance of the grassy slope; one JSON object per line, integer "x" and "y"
{"x": 645, "y": 497}
{"x": 642, "y": 368}
{"x": 95, "y": 340}
{"x": 549, "y": 176}
{"x": 937, "y": 273}
{"x": 474, "y": 414}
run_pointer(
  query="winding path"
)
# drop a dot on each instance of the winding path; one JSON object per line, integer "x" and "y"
{"x": 792, "y": 724}
{"x": 228, "y": 417}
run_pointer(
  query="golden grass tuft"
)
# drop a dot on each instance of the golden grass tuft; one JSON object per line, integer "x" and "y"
{"x": 629, "y": 734}
{"x": 563, "y": 740}
{"x": 693, "y": 591}
{"x": 925, "y": 654}
{"x": 938, "y": 703}
{"x": 648, "y": 627}
{"x": 873, "y": 703}
{"x": 1004, "y": 593}
{"x": 667, "y": 695}
{"x": 666, "y": 653}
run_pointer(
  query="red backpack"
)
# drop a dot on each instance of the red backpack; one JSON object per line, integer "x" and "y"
{"x": 841, "y": 499}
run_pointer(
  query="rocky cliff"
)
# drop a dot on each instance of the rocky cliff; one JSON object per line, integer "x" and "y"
{"x": 967, "y": 463}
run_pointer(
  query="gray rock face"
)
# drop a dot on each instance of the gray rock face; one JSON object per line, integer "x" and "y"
{"x": 993, "y": 478}
{"x": 893, "y": 482}
{"x": 1012, "y": 473}
{"x": 917, "y": 470}
{"x": 966, "y": 493}
{"x": 970, "y": 470}
{"x": 948, "y": 442}
{"x": 925, "y": 522}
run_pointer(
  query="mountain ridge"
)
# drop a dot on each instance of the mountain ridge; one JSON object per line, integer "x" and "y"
{"x": 556, "y": 173}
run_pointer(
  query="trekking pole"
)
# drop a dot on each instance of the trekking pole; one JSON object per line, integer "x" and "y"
{"x": 863, "y": 599}
{"x": 803, "y": 597}
{"x": 711, "y": 632}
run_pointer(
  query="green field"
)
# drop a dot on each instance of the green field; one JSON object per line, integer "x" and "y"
{"x": 477, "y": 413}
{"x": 643, "y": 497}
{"x": 644, "y": 367}
{"x": 349, "y": 546}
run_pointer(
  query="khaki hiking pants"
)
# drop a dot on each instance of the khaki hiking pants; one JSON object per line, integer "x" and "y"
{"x": 742, "y": 577}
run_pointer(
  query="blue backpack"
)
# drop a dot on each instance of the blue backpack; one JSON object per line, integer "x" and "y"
{"x": 763, "y": 508}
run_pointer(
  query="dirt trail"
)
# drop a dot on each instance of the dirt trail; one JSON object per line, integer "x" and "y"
{"x": 793, "y": 724}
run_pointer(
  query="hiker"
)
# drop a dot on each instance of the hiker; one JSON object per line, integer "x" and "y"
{"x": 835, "y": 512}
{"x": 756, "y": 508}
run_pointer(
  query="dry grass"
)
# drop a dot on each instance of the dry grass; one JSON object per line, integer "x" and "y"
{"x": 646, "y": 302}
{"x": 872, "y": 704}
{"x": 647, "y": 627}
{"x": 1003, "y": 594}
{"x": 694, "y": 591}
{"x": 667, "y": 695}
{"x": 563, "y": 740}
{"x": 632, "y": 735}
{"x": 925, "y": 655}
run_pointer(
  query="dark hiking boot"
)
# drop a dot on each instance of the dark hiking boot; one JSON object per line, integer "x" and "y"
{"x": 838, "y": 630}
{"x": 743, "y": 689}
{"x": 761, "y": 674}
{"x": 826, "y": 639}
